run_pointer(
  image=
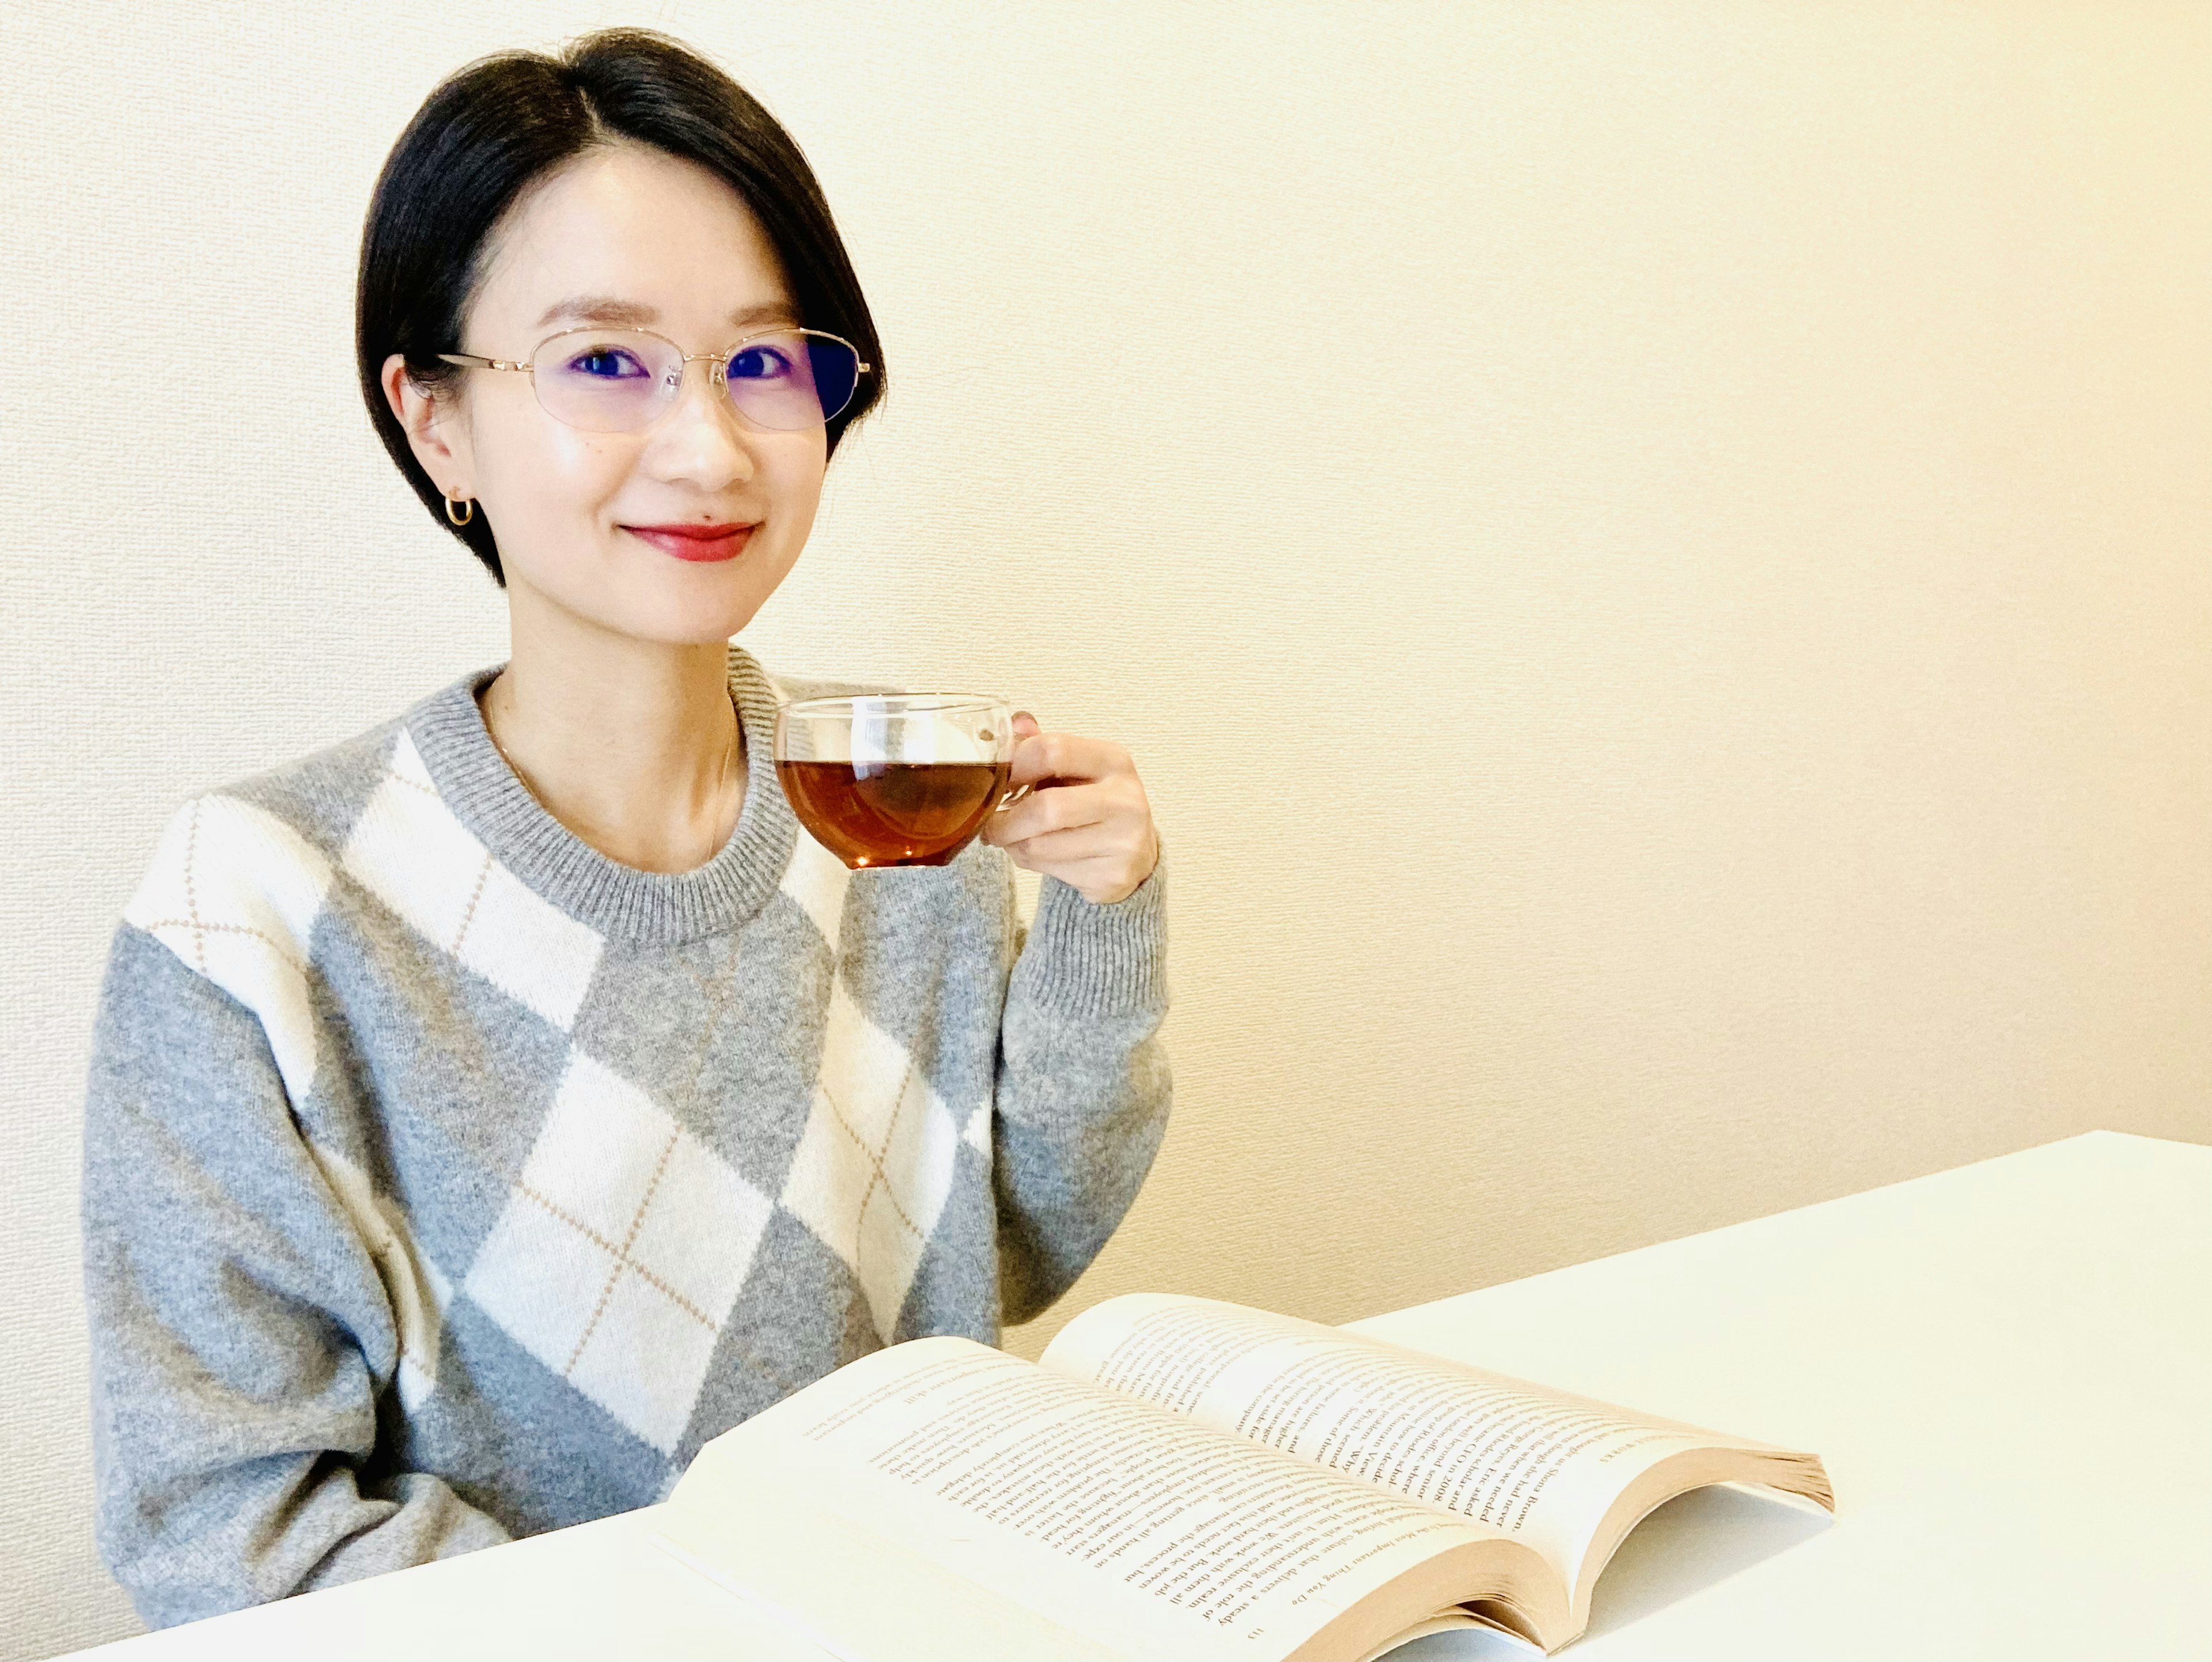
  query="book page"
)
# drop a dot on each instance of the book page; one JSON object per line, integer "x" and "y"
{"x": 1147, "y": 1533}
{"x": 1544, "y": 1466}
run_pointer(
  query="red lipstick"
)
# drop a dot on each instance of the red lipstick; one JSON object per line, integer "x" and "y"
{"x": 695, "y": 542}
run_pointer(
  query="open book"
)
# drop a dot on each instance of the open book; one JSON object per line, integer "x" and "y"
{"x": 1181, "y": 1480}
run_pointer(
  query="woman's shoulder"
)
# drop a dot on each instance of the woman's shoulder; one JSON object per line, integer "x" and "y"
{"x": 273, "y": 837}
{"x": 788, "y": 686}
{"x": 321, "y": 794}
{"x": 791, "y": 688}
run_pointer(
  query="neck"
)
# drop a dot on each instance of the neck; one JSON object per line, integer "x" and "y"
{"x": 633, "y": 744}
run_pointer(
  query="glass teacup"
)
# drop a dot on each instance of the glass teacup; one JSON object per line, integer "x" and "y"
{"x": 904, "y": 779}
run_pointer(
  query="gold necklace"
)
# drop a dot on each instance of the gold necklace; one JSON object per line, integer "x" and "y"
{"x": 730, "y": 769}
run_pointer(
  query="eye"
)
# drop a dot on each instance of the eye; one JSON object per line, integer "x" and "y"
{"x": 605, "y": 363}
{"x": 760, "y": 363}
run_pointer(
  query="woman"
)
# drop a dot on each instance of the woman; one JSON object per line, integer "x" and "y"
{"x": 486, "y": 1111}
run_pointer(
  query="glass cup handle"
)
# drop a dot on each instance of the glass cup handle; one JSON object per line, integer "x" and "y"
{"x": 1018, "y": 791}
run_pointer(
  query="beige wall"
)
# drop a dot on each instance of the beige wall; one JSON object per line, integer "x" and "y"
{"x": 1654, "y": 558}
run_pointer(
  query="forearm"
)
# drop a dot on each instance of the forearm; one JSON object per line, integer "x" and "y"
{"x": 250, "y": 1531}
{"x": 1083, "y": 1090}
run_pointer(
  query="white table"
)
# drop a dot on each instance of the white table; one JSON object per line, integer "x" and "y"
{"x": 2007, "y": 1369}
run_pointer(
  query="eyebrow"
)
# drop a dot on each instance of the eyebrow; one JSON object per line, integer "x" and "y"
{"x": 630, "y": 314}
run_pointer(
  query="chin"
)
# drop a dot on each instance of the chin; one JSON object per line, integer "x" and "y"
{"x": 693, "y": 626}
{"x": 720, "y": 622}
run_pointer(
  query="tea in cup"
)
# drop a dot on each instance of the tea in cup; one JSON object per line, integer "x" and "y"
{"x": 904, "y": 779}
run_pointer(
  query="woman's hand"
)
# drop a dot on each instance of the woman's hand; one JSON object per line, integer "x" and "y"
{"x": 1088, "y": 823}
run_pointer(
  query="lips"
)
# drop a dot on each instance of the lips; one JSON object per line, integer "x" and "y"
{"x": 695, "y": 542}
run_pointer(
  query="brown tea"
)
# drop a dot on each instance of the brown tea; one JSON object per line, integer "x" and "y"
{"x": 893, "y": 813}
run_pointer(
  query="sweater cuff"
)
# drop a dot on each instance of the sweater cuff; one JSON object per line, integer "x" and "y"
{"x": 1089, "y": 960}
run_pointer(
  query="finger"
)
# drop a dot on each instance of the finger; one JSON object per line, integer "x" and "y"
{"x": 1050, "y": 850}
{"x": 1026, "y": 725}
{"x": 1067, "y": 756}
{"x": 1103, "y": 880}
{"x": 1055, "y": 807}
{"x": 1049, "y": 809}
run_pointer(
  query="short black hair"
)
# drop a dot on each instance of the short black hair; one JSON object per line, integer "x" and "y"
{"x": 492, "y": 127}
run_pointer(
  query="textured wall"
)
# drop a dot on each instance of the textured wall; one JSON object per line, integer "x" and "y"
{"x": 1654, "y": 558}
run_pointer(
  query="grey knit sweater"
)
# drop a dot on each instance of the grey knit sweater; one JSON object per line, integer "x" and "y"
{"x": 445, "y": 1181}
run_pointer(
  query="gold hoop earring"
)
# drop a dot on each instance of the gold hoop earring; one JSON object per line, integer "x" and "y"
{"x": 468, "y": 502}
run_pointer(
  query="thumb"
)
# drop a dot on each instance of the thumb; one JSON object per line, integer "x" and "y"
{"x": 1026, "y": 725}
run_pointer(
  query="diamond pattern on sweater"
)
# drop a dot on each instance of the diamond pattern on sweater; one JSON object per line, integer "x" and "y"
{"x": 236, "y": 892}
{"x": 409, "y": 851}
{"x": 875, "y": 1163}
{"x": 620, "y": 1252}
{"x": 419, "y": 1293}
{"x": 816, "y": 881}
{"x": 625, "y": 1241}
{"x": 233, "y": 892}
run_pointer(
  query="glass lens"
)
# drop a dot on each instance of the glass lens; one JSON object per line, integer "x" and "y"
{"x": 793, "y": 379}
{"x": 606, "y": 380}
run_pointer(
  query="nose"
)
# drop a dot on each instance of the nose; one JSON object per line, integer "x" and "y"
{"x": 702, "y": 440}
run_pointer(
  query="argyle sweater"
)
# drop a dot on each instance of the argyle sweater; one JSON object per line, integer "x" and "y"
{"x": 445, "y": 1181}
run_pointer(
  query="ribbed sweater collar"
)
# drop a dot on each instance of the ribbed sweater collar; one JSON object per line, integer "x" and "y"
{"x": 641, "y": 908}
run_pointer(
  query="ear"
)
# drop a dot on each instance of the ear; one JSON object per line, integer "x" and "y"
{"x": 439, "y": 442}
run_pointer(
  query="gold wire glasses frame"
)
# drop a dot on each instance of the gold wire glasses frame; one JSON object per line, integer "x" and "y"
{"x": 807, "y": 394}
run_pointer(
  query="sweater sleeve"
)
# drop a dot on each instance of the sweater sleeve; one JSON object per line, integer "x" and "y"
{"x": 1083, "y": 1090}
{"x": 240, "y": 1335}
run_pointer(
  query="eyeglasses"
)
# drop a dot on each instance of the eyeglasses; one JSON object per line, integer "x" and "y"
{"x": 623, "y": 381}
